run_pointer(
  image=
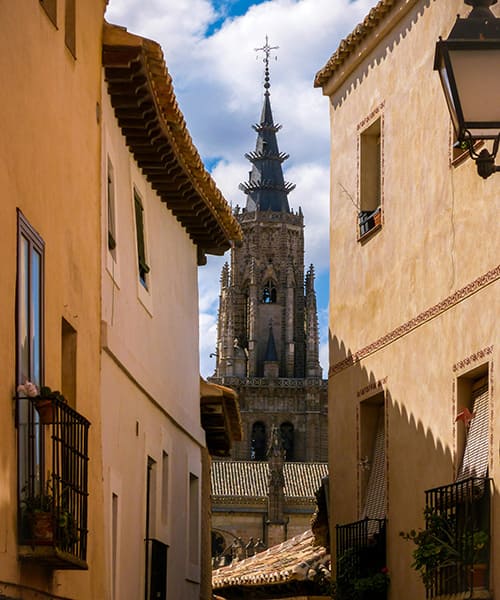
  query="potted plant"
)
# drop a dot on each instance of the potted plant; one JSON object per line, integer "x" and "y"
{"x": 479, "y": 570}
{"x": 43, "y": 399}
{"x": 354, "y": 583}
{"x": 442, "y": 544}
{"x": 38, "y": 510}
{"x": 47, "y": 521}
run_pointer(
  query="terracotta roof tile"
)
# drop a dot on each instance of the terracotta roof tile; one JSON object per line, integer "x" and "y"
{"x": 296, "y": 559}
{"x": 250, "y": 478}
{"x": 348, "y": 45}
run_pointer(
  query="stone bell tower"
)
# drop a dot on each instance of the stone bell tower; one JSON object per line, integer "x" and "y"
{"x": 268, "y": 339}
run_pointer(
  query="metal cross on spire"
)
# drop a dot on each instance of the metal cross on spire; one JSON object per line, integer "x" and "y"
{"x": 266, "y": 48}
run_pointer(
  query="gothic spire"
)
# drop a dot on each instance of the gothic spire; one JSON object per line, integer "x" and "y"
{"x": 266, "y": 188}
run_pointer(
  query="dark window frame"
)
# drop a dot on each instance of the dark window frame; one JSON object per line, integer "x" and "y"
{"x": 143, "y": 267}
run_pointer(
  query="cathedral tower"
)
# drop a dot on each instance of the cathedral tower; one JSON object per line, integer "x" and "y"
{"x": 268, "y": 341}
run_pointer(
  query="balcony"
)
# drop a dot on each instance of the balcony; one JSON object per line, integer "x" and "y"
{"x": 53, "y": 479}
{"x": 459, "y": 514}
{"x": 361, "y": 560}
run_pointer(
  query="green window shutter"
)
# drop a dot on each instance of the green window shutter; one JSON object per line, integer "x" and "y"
{"x": 141, "y": 250}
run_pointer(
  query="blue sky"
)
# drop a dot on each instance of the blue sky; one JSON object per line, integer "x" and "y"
{"x": 209, "y": 50}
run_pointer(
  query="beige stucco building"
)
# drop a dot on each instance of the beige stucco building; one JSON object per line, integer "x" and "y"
{"x": 107, "y": 213}
{"x": 161, "y": 213}
{"x": 50, "y": 299}
{"x": 414, "y": 302}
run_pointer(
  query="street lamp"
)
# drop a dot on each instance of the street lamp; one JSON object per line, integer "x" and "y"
{"x": 469, "y": 66}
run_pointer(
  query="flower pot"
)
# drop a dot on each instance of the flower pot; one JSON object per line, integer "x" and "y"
{"x": 45, "y": 408}
{"x": 42, "y": 527}
{"x": 480, "y": 576}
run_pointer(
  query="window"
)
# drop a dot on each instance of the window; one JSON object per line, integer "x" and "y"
{"x": 68, "y": 362}
{"x": 258, "y": 441}
{"x": 269, "y": 293}
{"x": 473, "y": 398}
{"x": 141, "y": 244}
{"x": 110, "y": 201}
{"x": 114, "y": 544}
{"x": 370, "y": 190}
{"x": 164, "y": 488}
{"x": 372, "y": 458}
{"x": 70, "y": 26}
{"x": 287, "y": 439}
{"x": 29, "y": 351}
{"x": 194, "y": 519}
{"x": 50, "y": 7}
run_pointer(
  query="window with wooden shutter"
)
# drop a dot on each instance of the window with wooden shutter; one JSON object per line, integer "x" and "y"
{"x": 476, "y": 449}
{"x": 373, "y": 462}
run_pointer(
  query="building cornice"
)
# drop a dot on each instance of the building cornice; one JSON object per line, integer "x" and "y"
{"x": 360, "y": 42}
{"x": 143, "y": 99}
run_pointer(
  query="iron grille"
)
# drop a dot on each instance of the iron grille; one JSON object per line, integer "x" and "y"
{"x": 462, "y": 510}
{"x": 368, "y": 220}
{"x": 361, "y": 556}
{"x": 53, "y": 482}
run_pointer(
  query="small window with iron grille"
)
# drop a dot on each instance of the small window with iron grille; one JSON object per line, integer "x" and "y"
{"x": 370, "y": 178}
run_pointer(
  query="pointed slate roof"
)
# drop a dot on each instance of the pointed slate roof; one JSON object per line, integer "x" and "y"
{"x": 266, "y": 188}
{"x": 271, "y": 353}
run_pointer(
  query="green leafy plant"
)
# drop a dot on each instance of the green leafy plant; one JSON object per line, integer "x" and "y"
{"x": 351, "y": 584}
{"x": 444, "y": 544}
{"x": 42, "y": 501}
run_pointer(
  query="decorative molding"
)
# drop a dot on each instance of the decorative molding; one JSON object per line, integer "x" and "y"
{"x": 371, "y": 117}
{"x": 375, "y": 386}
{"x": 471, "y": 360}
{"x": 424, "y": 317}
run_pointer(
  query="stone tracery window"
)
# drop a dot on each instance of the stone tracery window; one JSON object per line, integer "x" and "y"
{"x": 269, "y": 292}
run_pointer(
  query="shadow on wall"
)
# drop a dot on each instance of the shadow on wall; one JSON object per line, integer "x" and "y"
{"x": 382, "y": 51}
{"x": 415, "y": 458}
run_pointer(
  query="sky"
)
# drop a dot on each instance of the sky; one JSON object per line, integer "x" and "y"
{"x": 209, "y": 48}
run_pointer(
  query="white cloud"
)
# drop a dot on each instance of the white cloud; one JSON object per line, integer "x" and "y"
{"x": 218, "y": 83}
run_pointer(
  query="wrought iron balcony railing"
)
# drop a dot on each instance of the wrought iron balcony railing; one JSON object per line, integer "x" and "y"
{"x": 368, "y": 220}
{"x": 361, "y": 560}
{"x": 460, "y": 514}
{"x": 53, "y": 482}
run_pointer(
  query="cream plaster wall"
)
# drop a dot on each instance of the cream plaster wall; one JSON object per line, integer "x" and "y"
{"x": 439, "y": 237}
{"x": 49, "y": 157}
{"x": 150, "y": 376}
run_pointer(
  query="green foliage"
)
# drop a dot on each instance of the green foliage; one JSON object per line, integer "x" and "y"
{"x": 46, "y": 392}
{"x": 351, "y": 585}
{"x": 40, "y": 502}
{"x": 444, "y": 544}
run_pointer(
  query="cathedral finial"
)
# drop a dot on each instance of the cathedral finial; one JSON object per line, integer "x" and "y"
{"x": 266, "y": 48}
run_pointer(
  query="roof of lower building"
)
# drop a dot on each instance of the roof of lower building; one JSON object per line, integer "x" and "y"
{"x": 144, "y": 102}
{"x": 348, "y": 45}
{"x": 241, "y": 478}
{"x": 295, "y": 560}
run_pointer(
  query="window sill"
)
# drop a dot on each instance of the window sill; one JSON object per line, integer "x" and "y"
{"x": 51, "y": 557}
{"x": 475, "y": 594}
{"x": 368, "y": 234}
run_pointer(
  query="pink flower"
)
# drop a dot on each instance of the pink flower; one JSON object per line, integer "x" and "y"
{"x": 28, "y": 389}
{"x": 384, "y": 570}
